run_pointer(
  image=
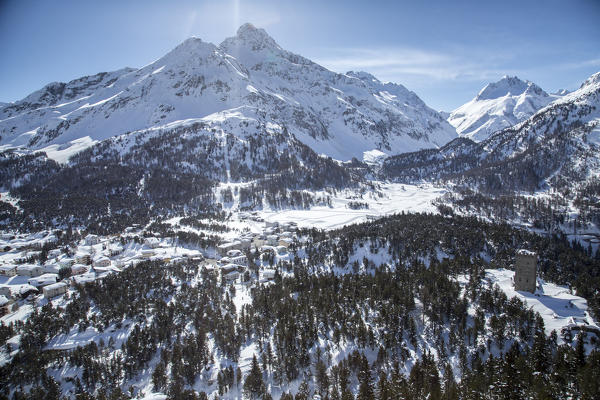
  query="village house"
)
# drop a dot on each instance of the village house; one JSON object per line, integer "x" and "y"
{"x": 286, "y": 234}
{"x": 8, "y": 270}
{"x": 66, "y": 262}
{"x": 209, "y": 268}
{"x": 5, "y": 305}
{"x": 115, "y": 250}
{"x": 225, "y": 269}
{"x": 30, "y": 270}
{"x": 78, "y": 269}
{"x": 27, "y": 290}
{"x": 83, "y": 258}
{"x": 224, "y": 260}
{"x": 289, "y": 226}
{"x": 83, "y": 278}
{"x": 241, "y": 260}
{"x": 43, "y": 280}
{"x": 234, "y": 253}
{"x": 5, "y": 291}
{"x": 105, "y": 270}
{"x": 51, "y": 268}
{"x": 147, "y": 253}
{"x": 101, "y": 262}
{"x": 222, "y": 249}
{"x": 91, "y": 240}
{"x": 268, "y": 274}
{"x": 152, "y": 242}
{"x": 230, "y": 277}
{"x": 56, "y": 289}
{"x": 286, "y": 242}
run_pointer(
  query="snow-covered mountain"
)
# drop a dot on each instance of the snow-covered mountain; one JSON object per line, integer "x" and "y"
{"x": 557, "y": 146}
{"x": 339, "y": 115}
{"x": 499, "y": 105}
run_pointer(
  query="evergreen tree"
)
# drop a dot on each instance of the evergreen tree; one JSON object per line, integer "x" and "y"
{"x": 254, "y": 386}
{"x": 383, "y": 387}
{"x": 303, "y": 391}
{"x": 365, "y": 387}
{"x": 159, "y": 377}
{"x": 322, "y": 378}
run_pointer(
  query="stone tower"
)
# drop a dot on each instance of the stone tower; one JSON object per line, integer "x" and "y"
{"x": 525, "y": 271}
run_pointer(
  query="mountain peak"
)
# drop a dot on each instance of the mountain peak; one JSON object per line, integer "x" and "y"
{"x": 248, "y": 29}
{"x": 509, "y": 85}
{"x": 592, "y": 80}
{"x": 249, "y": 35}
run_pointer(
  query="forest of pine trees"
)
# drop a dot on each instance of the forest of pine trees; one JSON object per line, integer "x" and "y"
{"x": 326, "y": 326}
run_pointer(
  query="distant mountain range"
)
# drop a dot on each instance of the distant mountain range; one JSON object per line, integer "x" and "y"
{"x": 557, "y": 146}
{"x": 497, "y": 106}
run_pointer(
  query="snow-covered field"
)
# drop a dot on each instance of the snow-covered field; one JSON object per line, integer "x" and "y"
{"x": 557, "y": 306}
{"x": 396, "y": 198}
{"x": 392, "y": 198}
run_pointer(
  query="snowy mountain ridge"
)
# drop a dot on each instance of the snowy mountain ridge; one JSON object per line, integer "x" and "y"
{"x": 497, "y": 106}
{"x": 556, "y": 146}
{"x": 338, "y": 115}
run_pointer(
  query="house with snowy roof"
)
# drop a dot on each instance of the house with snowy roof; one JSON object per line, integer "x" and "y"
{"x": 8, "y": 270}
{"x": 56, "y": 289}
{"x": 43, "y": 280}
{"x": 30, "y": 270}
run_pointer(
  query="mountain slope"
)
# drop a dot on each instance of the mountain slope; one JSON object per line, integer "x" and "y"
{"x": 499, "y": 105}
{"x": 557, "y": 146}
{"x": 339, "y": 115}
{"x": 169, "y": 169}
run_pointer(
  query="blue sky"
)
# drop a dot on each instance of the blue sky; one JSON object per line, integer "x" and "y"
{"x": 445, "y": 51}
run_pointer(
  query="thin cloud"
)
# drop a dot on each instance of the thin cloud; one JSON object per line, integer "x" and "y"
{"x": 389, "y": 63}
{"x": 594, "y": 62}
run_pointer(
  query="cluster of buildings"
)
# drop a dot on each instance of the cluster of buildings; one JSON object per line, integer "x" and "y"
{"x": 232, "y": 262}
{"x": 95, "y": 257}
{"x": 89, "y": 261}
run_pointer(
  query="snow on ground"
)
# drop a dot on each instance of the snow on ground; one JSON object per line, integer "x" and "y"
{"x": 62, "y": 153}
{"x": 374, "y": 156}
{"x": 396, "y": 198}
{"x": 557, "y": 306}
{"x": 20, "y": 315}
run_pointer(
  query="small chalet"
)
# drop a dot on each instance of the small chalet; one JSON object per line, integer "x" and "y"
{"x": 43, "y": 280}
{"x": 78, "y": 269}
{"x": 56, "y": 289}
{"x": 30, "y": 270}
{"x": 8, "y": 270}
{"x": 101, "y": 262}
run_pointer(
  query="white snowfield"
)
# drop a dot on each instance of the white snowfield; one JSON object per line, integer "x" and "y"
{"x": 497, "y": 106}
{"x": 557, "y": 306}
{"x": 340, "y": 115}
{"x": 395, "y": 199}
